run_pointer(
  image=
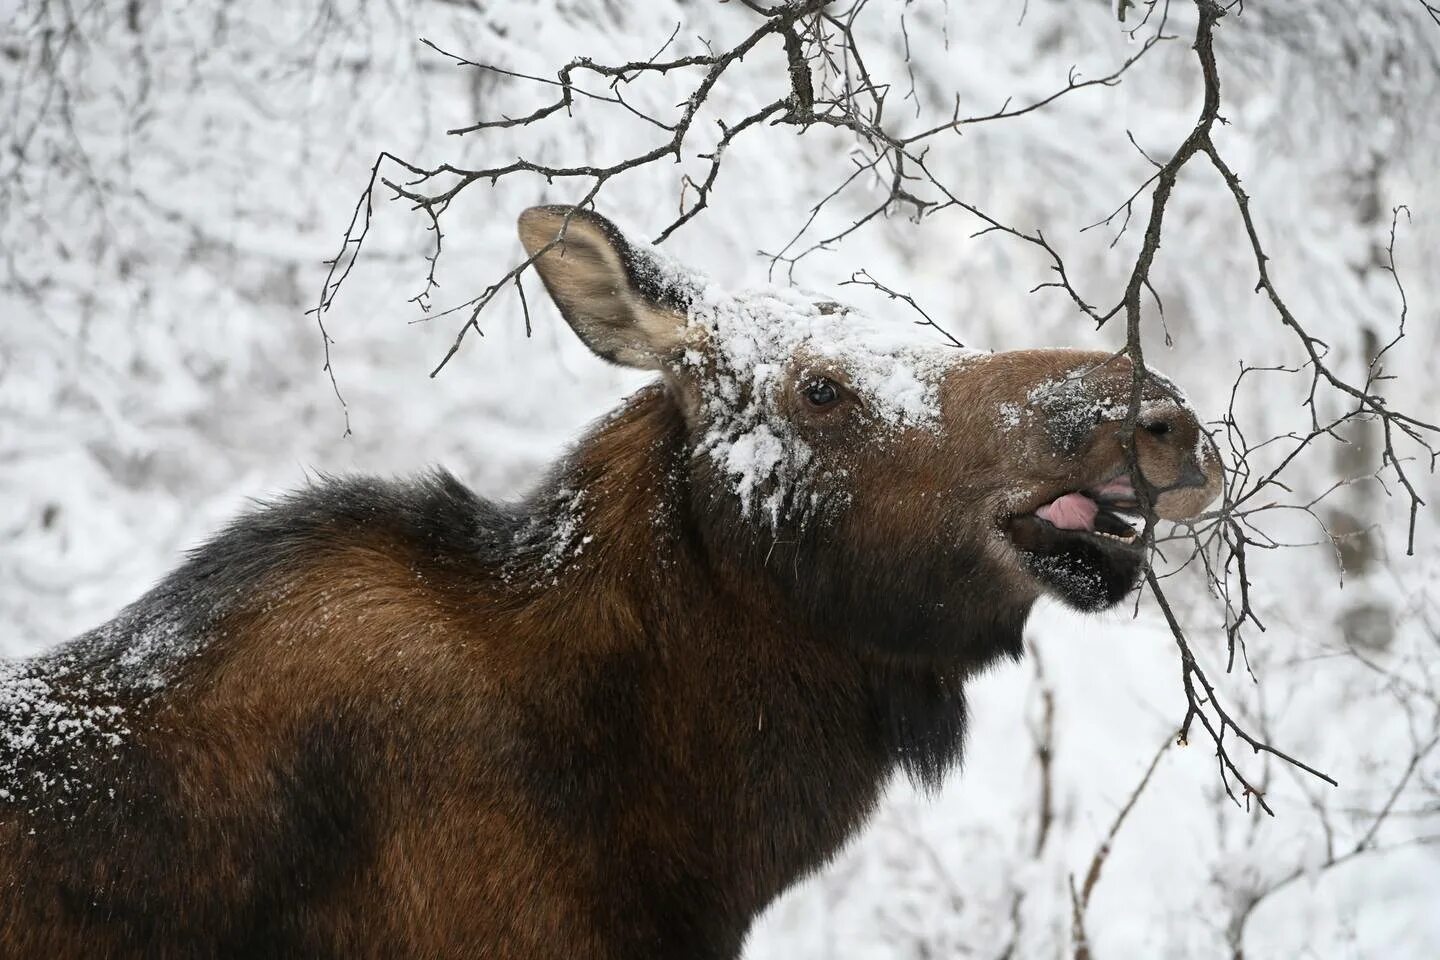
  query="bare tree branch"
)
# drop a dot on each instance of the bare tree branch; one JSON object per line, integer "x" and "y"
{"x": 827, "y": 83}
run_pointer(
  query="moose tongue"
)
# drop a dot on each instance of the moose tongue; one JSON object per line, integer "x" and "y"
{"x": 1073, "y": 511}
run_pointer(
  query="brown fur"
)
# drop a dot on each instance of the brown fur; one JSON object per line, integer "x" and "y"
{"x": 396, "y": 745}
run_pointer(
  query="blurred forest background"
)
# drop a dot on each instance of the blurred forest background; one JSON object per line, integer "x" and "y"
{"x": 172, "y": 177}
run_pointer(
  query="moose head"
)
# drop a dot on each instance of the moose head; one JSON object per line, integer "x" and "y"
{"x": 909, "y": 496}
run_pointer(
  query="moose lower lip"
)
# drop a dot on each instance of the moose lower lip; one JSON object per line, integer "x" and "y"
{"x": 1087, "y": 569}
{"x": 1034, "y": 534}
{"x": 1115, "y": 534}
{"x": 1110, "y": 524}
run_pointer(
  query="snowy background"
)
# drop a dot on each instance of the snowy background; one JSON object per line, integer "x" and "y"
{"x": 173, "y": 175}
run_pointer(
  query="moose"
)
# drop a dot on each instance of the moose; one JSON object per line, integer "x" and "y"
{"x": 615, "y": 719}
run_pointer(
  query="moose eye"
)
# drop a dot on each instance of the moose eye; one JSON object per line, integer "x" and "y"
{"x": 1158, "y": 428}
{"x": 822, "y": 393}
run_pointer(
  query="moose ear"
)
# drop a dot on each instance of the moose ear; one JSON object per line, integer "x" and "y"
{"x": 604, "y": 288}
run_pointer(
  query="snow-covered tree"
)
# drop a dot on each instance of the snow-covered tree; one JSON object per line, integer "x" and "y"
{"x": 174, "y": 179}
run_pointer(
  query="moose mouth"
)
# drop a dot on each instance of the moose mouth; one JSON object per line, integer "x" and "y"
{"x": 1084, "y": 545}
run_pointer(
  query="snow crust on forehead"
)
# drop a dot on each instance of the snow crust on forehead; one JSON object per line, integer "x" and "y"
{"x": 750, "y": 346}
{"x": 893, "y": 365}
{"x": 760, "y": 334}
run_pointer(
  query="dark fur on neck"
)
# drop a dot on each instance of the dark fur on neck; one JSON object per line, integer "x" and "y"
{"x": 867, "y": 613}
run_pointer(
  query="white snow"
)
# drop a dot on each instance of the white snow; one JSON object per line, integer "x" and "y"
{"x": 754, "y": 345}
{"x": 157, "y": 369}
{"x": 48, "y": 732}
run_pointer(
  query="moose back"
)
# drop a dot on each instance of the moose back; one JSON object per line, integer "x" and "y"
{"x": 614, "y": 720}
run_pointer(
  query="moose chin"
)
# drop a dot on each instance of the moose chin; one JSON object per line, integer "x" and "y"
{"x": 615, "y": 719}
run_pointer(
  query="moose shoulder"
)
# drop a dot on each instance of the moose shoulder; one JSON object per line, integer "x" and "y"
{"x": 614, "y": 720}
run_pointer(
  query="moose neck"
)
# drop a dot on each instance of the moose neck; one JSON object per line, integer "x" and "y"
{"x": 733, "y": 723}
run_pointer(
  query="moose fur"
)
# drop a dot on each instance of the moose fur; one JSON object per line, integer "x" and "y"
{"x": 614, "y": 720}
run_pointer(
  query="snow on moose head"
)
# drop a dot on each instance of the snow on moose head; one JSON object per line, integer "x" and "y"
{"x": 904, "y": 493}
